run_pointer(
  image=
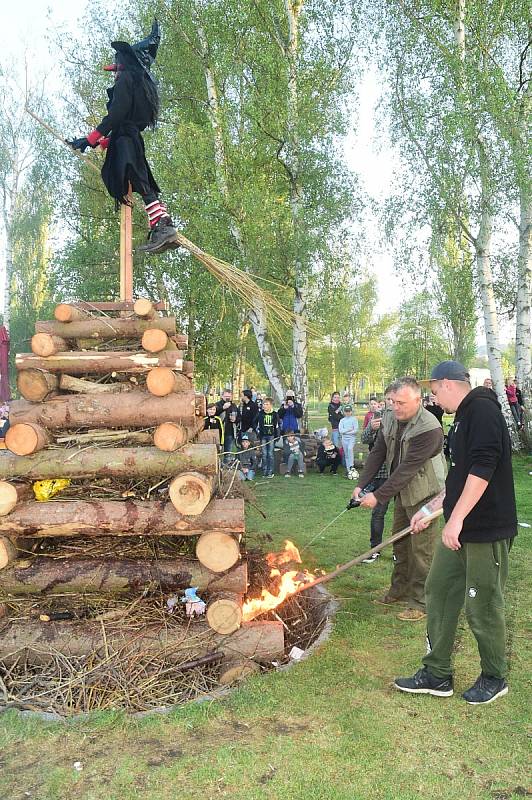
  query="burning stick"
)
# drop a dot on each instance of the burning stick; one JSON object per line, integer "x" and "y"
{"x": 291, "y": 584}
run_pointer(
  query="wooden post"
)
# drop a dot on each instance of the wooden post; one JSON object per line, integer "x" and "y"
{"x": 126, "y": 251}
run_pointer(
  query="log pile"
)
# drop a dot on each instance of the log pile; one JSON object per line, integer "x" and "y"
{"x": 109, "y": 409}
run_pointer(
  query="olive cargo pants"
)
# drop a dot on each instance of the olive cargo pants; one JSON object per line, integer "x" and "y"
{"x": 475, "y": 576}
{"x": 413, "y": 557}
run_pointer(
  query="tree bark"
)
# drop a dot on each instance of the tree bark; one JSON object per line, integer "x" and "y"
{"x": 104, "y": 436}
{"x": 131, "y": 409}
{"x": 523, "y": 365}
{"x": 68, "y": 383}
{"x": 38, "y": 642}
{"x": 114, "y": 462}
{"x": 116, "y": 576}
{"x": 117, "y": 518}
{"x": 190, "y": 493}
{"x": 91, "y": 361}
{"x": 102, "y": 328}
{"x": 487, "y": 295}
{"x": 114, "y": 305}
{"x": 292, "y": 164}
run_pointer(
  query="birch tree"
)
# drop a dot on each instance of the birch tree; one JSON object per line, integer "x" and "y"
{"x": 18, "y": 152}
{"x": 442, "y": 121}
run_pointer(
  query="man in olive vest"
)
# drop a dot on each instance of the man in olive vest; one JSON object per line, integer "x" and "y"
{"x": 410, "y": 443}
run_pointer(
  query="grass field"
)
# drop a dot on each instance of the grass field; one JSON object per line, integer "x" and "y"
{"x": 331, "y": 728}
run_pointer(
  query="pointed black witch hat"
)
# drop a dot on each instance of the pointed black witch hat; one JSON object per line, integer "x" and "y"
{"x": 143, "y": 52}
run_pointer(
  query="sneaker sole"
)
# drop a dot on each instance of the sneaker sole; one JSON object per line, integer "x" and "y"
{"x": 434, "y": 692}
{"x": 487, "y": 702}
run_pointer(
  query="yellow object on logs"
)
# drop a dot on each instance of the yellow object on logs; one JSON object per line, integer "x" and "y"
{"x": 45, "y": 490}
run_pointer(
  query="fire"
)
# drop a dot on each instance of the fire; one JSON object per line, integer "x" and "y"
{"x": 290, "y": 553}
{"x": 289, "y": 583}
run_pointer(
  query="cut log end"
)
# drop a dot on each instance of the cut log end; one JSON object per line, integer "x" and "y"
{"x": 8, "y": 498}
{"x": 154, "y": 340}
{"x": 217, "y": 550}
{"x": 8, "y": 551}
{"x": 224, "y": 612}
{"x": 25, "y": 438}
{"x": 169, "y": 436}
{"x": 45, "y": 344}
{"x": 144, "y": 308}
{"x": 67, "y": 313}
{"x": 236, "y": 670}
{"x": 190, "y": 493}
{"x": 35, "y": 384}
{"x": 162, "y": 381}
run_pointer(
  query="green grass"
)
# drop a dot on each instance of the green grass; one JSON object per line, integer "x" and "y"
{"x": 331, "y": 728}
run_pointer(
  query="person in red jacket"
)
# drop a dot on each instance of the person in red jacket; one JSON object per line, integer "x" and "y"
{"x": 511, "y": 394}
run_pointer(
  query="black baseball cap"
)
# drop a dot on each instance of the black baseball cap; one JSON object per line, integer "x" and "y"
{"x": 447, "y": 370}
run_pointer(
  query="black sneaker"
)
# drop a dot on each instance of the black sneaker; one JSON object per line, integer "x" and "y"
{"x": 370, "y": 559}
{"x": 161, "y": 237}
{"x": 485, "y": 690}
{"x": 424, "y": 682}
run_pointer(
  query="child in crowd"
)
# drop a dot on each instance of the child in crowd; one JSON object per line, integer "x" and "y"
{"x": 348, "y": 428}
{"x": 334, "y": 413}
{"x": 268, "y": 432}
{"x": 295, "y": 453}
{"x": 213, "y": 422}
{"x": 328, "y": 456}
{"x": 248, "y": 460}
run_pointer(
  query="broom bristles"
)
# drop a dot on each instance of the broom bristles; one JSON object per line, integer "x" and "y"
{"x": 239, "y": 282}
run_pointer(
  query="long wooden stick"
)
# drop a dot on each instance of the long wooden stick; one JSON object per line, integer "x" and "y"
{"x": 126, "y": 249}
{"x": 359, "y": 559}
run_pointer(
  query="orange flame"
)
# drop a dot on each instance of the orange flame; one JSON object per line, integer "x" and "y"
{"x": 290, "y": 553}
{"x": 289, "y": 583}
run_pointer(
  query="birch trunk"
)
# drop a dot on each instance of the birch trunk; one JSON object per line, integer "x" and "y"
{"x": 299, "y": 331}
{"x": 523, "y": 364}
{"x": 258, "y": 315}
{"x": 485, "y": 284}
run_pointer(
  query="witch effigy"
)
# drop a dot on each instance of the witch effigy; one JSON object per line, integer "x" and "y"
{"x": 133, "y": 106}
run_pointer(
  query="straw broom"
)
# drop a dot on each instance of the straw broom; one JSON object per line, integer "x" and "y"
{"x": 236, "y": 280}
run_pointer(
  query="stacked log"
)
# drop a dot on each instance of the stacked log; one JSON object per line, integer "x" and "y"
{"x": 108, "y": 398}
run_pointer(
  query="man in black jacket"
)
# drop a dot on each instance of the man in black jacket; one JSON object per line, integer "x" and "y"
{"x": 471, "y": 563}
{"x": 249, "y": 413}
{"x": 133, "y": 105}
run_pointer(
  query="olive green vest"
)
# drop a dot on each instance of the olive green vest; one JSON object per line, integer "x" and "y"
{"x": 430, "y": 479}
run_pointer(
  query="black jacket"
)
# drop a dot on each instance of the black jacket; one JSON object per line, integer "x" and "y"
{"x": 127, "y": 115}
{"x": 480, "y": 446}
{"x": 334, "y": 411}
{"x": 248, "y": 416}
{"x": 214, "y": 424}
{"x": 268, "y": 423}
{"x": 324, "y": 456}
